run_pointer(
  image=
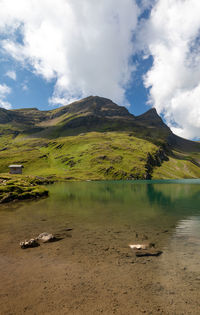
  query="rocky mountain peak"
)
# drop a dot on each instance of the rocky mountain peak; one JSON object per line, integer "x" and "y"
{"x": 94, "y": 105}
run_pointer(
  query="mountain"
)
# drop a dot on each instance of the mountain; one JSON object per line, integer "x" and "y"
{"x": 90, "y": 114}
{"x": 95, "y": 138}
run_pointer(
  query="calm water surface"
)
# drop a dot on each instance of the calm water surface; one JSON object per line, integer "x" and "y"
{"x": 170, "y": 206}
{"x": 114, "y": 214}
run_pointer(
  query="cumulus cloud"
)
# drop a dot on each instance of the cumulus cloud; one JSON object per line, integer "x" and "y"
{"x": 84, "y": 45}
{"x": 85, "y": 48}
{"x": 4, "y": 91}
{"x": 172, "y": 35}
{"x": 11, "y": 74}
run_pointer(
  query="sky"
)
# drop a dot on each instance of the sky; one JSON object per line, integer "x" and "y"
{"x": 139, "y": 53}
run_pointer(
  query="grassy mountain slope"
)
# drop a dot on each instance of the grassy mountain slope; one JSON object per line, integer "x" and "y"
{"x": 87, "y": 156}
{"x": 94, "y": 139}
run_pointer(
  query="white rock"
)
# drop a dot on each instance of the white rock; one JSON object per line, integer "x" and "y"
{"x": 45, "y": 237}
{"x": 138, "y": 246}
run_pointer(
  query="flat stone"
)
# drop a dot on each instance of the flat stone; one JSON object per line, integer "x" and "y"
{"x": 138, "y": 246}
{"x": 142, "y": 246}
{"x": 145, "y": 249}
{"x": 150, "y": 252}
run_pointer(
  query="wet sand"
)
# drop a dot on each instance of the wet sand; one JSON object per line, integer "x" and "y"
{"x": 92, "y": 270}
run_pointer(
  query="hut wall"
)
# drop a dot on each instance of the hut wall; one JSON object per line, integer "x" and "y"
{"x": 15, "y": 170}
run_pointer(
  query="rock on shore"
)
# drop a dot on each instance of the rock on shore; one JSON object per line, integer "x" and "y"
{"x": 20, "y": 188}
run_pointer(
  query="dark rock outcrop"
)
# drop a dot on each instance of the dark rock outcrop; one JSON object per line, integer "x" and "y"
{"x": 155, "y": 160}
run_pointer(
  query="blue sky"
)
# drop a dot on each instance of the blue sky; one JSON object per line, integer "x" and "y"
{"x": 30, "y": 90}
{"x": 52, "y": 53}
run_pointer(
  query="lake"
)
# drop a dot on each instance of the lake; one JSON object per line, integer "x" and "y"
{"x": 91, "y": 269}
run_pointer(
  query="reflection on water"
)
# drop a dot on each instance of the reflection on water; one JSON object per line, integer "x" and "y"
{"x": 106, "y": 217}
{"x": 189, "y": 227}
{"x": 153, "y": 204}
{"x": 146, "y": 207}
{"x": 186, "y": 242}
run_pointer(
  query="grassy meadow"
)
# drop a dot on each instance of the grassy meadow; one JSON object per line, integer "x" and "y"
{"x": 92, "y": 156}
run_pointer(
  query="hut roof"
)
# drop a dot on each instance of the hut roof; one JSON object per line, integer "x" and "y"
{"x": 20, "y": 166}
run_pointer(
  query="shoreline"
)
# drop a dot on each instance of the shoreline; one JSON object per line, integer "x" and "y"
{"x": 26, "y": 187}
{"x": 19, "y": 187}
{"x": 92, "y": 269}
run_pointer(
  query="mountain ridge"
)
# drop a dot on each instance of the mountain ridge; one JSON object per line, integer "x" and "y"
{"x": 90, "y": 106}
{"x": 96, "y": 138}
{"x": 95, "y": 114}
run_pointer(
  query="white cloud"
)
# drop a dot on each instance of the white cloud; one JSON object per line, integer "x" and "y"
{"x": 85, "y": 45}
{"x": 172, "y": 35}
{"x": 4, "y": 91}
{"x": 61, "y": 100}
{"x": 11, "y": 74}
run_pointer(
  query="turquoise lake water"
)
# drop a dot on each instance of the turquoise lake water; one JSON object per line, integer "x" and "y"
{"x": 143, "y": 206}
{"x": 106, "y": 217}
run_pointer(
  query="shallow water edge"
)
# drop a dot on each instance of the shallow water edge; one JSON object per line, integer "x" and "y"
{"x": 92, "y": 270}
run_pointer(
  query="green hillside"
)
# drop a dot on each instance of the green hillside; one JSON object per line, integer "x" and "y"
{"x": 94, "y": 139}
{"x": 94, "y": 155}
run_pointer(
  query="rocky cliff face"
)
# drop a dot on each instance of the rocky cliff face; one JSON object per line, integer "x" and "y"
{"x": 155, "y": 160}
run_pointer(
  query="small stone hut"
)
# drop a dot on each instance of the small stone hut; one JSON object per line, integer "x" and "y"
{"x": 15, "y": 169}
